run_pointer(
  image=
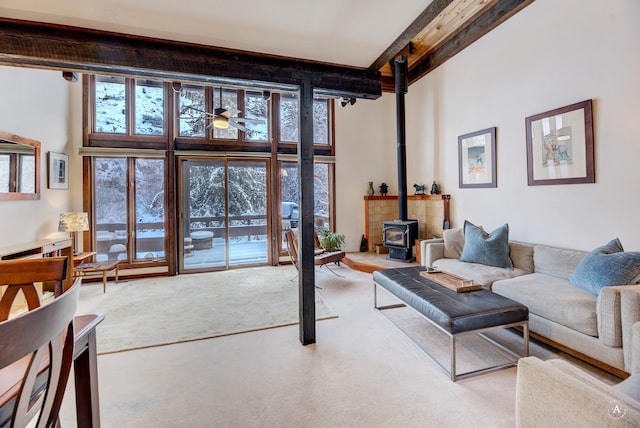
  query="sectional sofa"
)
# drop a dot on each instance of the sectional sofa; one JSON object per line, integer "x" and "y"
{"x": 595, "y": 325}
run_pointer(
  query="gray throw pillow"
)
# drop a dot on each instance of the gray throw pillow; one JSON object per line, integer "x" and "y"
{"x": 607, "y": 265}
{"x": 490, "y": 249}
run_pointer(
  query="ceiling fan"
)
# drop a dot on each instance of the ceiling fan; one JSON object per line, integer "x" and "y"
{"x": 221, "y": 117}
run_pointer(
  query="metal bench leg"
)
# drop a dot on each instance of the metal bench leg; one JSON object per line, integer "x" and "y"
{"x": 453, "y": 358}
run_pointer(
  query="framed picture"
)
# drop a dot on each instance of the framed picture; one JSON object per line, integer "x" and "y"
{"x": 58, "y": 177}
{"x": 560, "y": 146}
{"x": 477, "y": 158}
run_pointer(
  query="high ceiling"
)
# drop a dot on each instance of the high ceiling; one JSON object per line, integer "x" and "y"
{"x": 364, "y": 33}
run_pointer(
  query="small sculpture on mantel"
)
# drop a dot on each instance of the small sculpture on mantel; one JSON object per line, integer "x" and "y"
{"x": 419, "y": 189}
{"x": 435, "y": 189}
{"x": 384, "y": 189}
{"x": 370, "y": 190}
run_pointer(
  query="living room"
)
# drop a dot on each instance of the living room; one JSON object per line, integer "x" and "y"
{"x": 548, "y": 55}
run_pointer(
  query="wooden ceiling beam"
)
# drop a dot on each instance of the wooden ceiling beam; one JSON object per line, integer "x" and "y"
{"x": 429, "y": 14}
{"x": 487, "y": 21}
{"x": 460, "y": 39}
{"x": 26, "y": 43}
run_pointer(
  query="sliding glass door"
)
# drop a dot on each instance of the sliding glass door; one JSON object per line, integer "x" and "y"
{"x": 223, "y": 213}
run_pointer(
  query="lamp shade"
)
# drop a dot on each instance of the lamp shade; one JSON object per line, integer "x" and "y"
{"x": 73, "y": 222}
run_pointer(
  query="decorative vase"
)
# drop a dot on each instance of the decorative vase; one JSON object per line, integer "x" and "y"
{"x": 370, "y": 191}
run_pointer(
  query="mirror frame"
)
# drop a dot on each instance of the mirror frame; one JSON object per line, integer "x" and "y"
{"x": 18, "y": 196}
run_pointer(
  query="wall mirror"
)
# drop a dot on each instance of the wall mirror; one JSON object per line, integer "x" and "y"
{"x": 19, "y": 167}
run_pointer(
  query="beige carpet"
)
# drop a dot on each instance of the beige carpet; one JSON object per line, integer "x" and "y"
{"x": 161, "y": 311}
{"x": 362, "y": 372}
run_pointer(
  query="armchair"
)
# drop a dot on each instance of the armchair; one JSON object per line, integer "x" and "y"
{"x": 555, "y": 393}
{"x": 321, "y": 257}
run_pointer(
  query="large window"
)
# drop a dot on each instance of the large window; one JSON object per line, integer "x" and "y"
{"x": 321, "y": 195}
{"x": 129, "y": 106}
{"x": 289, "y": 119}
{"x": 129, "y": 203}
{"x": 197, "y": 115}
{"x": 128, "y": 196}
{"x": 110, "y": 105}
{"x": 149, "y": 108}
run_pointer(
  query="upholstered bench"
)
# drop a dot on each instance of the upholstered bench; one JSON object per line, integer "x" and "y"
{"x": 453, "y": 313}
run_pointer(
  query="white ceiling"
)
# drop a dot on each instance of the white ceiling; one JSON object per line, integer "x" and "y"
{"x": 347, "y": 32}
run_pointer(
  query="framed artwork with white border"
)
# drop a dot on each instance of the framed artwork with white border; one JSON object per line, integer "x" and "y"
{"x": 477, "y": 159}
{"x": 560, "y": 146}
{"x": 58, "y": 174}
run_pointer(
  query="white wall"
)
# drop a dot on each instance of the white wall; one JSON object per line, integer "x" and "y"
{"x": 365, "y": 151}
{"x": 37, "y": 104}
{"x": 549, "y": 55}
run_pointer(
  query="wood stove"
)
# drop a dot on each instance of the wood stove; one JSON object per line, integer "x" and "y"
{"x": 399, "y": 237}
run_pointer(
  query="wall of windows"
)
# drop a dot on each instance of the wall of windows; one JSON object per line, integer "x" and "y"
{"x": 132, "y": 208}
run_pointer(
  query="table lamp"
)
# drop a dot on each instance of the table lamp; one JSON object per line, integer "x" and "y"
{"x": 74, "y": 222}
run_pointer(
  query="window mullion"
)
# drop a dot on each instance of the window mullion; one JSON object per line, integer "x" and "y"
{"x": 131, "y": 207}
{"x": 130, "y": 97}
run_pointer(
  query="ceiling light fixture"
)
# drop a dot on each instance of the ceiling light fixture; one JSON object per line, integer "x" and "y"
{"x": 220, "y": 122}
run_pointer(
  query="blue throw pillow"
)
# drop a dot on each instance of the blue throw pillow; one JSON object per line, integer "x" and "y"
{"x": 607, "y": 265}
{"x": 490, "y": 249}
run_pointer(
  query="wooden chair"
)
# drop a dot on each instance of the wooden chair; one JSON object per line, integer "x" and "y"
{"x": 20, "y": 275}
{"x": 321, "y": 257}
{"x": 36, "y": 353}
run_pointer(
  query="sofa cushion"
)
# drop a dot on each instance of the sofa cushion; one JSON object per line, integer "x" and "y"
{"x": 521, "y": 255}
{"x": 481, "y": 274}
{"x": 556, "y": 261}
{"x": 553, "y": 298}
{"x": 490, "y": 249}
{"x": 453, "y": 242}
{"x": 607, "y": 265}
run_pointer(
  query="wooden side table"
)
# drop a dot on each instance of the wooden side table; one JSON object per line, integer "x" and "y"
{"x": 79, "y": 258}
{"x": 104, "y": 267}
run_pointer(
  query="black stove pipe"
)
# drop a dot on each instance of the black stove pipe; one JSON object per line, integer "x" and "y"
{"x": 401, "y": 89}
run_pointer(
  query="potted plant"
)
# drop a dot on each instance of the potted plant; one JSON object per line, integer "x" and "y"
{"x": 331, "y": 241}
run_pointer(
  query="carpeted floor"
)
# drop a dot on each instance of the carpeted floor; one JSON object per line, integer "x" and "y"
{"x": 362, "y": 372}
{"x": 165, "y": 310}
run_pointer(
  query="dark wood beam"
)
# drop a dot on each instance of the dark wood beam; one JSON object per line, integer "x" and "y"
{"x": 429, "y": 14}
{"x": 306, "y": 244}
{"x": 26, "y": 43}
{"x": 490, "y": 19}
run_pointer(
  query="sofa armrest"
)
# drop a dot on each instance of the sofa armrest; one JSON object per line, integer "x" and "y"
{"x": 556, "y": 393}
{"x": 630, "y": 322}
{"x": 609, "y": 313}
{"x": 431, "y": 250}
{"x": 634, "y": 355}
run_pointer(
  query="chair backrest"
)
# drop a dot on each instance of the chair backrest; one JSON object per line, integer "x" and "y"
{"x": 20, "y": 275}
{"x": 292, "y": 246}
{"x": 36, "y": 342}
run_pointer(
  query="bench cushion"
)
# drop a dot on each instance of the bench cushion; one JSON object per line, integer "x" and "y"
{"x": 454, "y": 312}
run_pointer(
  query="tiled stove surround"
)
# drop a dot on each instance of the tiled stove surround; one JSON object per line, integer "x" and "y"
{"x": 429, "y": 210}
